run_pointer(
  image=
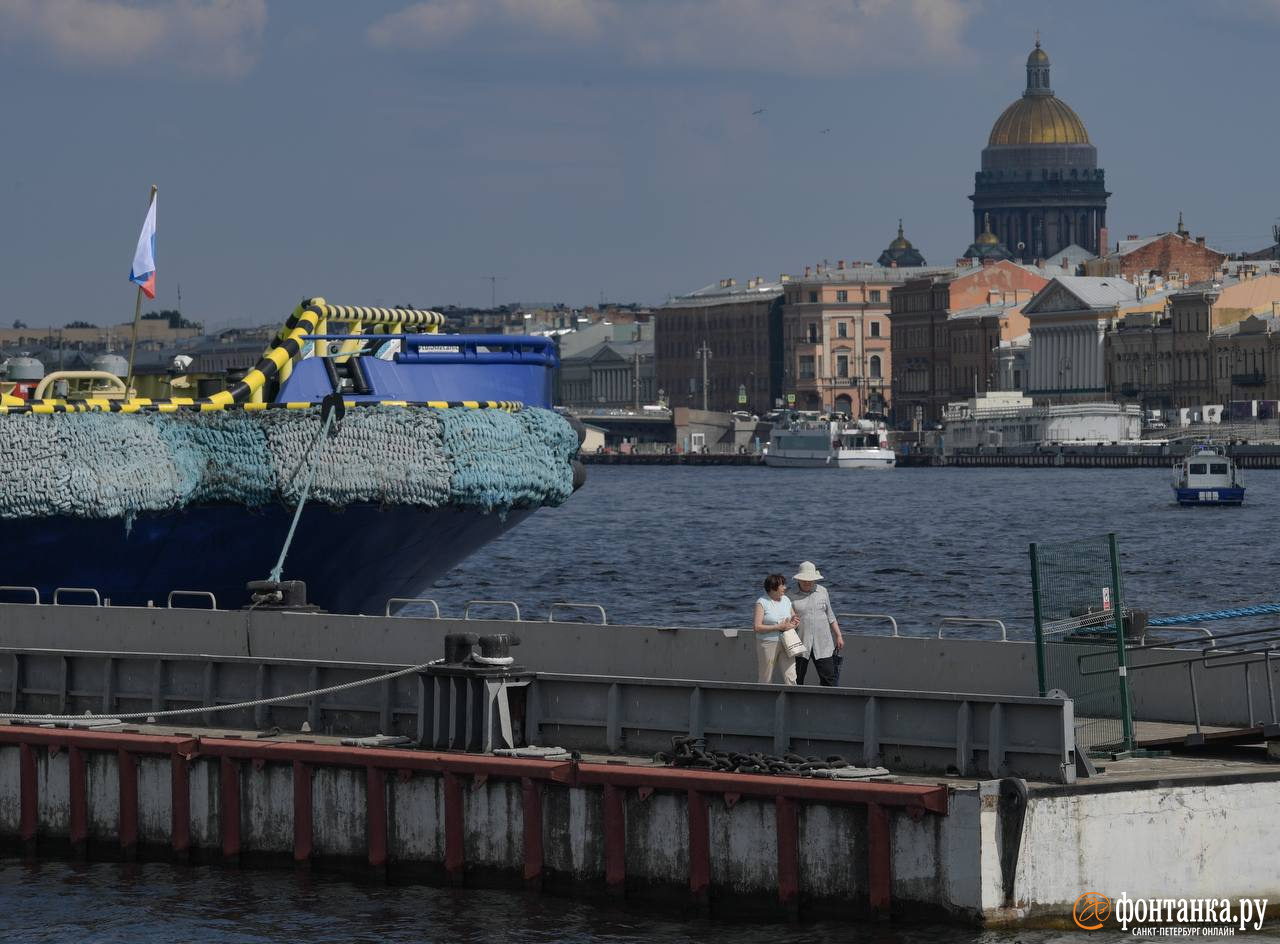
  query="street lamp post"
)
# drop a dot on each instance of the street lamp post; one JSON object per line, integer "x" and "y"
{"x": 704, "y": 353}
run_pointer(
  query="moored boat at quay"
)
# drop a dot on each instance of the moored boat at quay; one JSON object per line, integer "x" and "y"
{"x": 412, "y": 449}
{"x": 814, "y": 440}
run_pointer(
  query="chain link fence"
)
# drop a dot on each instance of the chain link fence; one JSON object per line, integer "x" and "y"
{"x": 1080, "y": 648}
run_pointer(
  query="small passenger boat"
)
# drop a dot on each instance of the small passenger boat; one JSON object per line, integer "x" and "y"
{"x": 812, "y": 440}
{"x": 1207, "y": 476}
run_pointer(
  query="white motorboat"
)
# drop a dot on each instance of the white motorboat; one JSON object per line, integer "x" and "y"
{"x": 816, "y": 440}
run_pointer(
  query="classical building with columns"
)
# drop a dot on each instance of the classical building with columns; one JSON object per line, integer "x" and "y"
{"x": 1040, "y": 183}
{"x": 1069, "y": 320}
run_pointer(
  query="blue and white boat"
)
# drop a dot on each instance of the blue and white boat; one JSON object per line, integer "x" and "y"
{"x": 1207, "y": 476}
{"x": 429, "y": 446}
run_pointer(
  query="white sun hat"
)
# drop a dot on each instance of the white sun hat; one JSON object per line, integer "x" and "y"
{"x": 808, "y": 572}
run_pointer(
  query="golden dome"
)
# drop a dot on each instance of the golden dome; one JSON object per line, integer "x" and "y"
{"x": 1038, "y": 119}
{"x": 901, "y": 242}
{"x": 1037, "y": 56}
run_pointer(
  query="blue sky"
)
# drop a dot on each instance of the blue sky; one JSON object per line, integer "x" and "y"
{"x": 389, "y": 151}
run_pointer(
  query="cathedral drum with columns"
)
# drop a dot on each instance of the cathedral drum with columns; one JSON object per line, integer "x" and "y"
{"x": 1040, "y": 185}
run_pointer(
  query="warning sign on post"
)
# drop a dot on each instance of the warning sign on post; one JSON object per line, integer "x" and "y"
{"x": 1106, "y": 599}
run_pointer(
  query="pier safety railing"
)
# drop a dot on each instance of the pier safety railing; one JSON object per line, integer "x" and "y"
{"x": 1243, "y": 648}
{"x": 916, "y": 732}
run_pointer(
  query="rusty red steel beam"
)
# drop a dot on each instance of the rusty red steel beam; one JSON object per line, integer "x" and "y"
{"x": 98, "y": 740}
{"x": 180, "y": 791}
{"x": 78, "y": 828}
{"x": 531, "y": 791}
{"x": 127, "y": 772}
{"x": 376, "y": 815}
{"x": 921, "y": 797}
{"x": 303, "y": 836}
{"x": 932, "y": 799}
{"x": 335, "y": 755}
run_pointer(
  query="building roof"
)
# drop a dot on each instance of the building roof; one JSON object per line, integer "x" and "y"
{"x": 1070, "y": 257}
{"x": 982, "y": 311}
{"x": 1226, "y": 331}
{"x": 718, "y": 293}
{"x": 1097, "y": 292}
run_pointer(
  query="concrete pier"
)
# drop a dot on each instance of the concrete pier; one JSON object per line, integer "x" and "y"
{"x": 967, "y": 839}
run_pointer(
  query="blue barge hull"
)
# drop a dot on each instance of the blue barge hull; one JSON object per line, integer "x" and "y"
{"x": 353, "y": 560}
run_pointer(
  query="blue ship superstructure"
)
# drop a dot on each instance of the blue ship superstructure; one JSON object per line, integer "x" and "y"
{"x": 427, "y": 447}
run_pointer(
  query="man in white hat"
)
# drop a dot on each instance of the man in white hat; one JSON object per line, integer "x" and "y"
{"x": 818, "y": 627}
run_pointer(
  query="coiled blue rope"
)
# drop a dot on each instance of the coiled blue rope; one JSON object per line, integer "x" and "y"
{"x": 1261, "y": 609}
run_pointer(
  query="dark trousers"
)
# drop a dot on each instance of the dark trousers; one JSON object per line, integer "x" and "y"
{"x": 826, "y": 669}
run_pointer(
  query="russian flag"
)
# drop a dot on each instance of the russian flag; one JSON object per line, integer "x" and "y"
{"x": 143, "y": 272}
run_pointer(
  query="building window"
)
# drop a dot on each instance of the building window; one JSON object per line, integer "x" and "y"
{"x": 806, "y": 367}
{"x": 875, "y": 367}
{"x": 842, "y": 329}
{"x": 875, "y": 329}
{"x": 842, "y": 365}
{"x": 813, "y": 332}
{"x": 813, "y": 296}
{"x": 842, "y": 295}
{"x": 875, "y": 294}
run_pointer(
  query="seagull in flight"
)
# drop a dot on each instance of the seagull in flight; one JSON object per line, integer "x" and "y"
{"x": 758, "y": 111}
{"x": 824, "y": 131}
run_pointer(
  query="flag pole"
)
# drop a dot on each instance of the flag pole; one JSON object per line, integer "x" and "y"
{"x": 137, "y": 314}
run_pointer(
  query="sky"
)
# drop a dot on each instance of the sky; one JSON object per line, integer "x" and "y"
{"x": 463, "y": 151}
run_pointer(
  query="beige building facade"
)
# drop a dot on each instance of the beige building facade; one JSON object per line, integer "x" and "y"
{"x": 837, "y": 338}
{"x": 1209, "y": 344}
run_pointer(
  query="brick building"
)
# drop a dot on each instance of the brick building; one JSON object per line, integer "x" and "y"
{"x": 728, "y": 333}
{"x": 1169, "y": 254}
{"x": 926, "y": 369}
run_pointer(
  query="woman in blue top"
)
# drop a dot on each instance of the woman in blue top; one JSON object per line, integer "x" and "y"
{"x": 773, "y": 615}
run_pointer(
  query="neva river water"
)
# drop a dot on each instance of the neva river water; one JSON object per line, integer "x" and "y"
{"x": 684, "y": 546}
{"x": 689, "y": 546}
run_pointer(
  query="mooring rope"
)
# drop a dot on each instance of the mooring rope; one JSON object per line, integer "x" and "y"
{"x": 237, "y": 706}
{"x": 1261, "y": 609}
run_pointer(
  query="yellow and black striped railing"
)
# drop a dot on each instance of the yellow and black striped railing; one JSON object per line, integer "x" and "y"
{"x": 276, "y": 363}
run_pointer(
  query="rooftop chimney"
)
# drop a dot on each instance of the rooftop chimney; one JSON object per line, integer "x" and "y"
{"x": 840, "y": 264}
{"x": 1199, "y": 240}
{"x": 730, "y": 282}
{"x": 1133, "y": 236}
{"x": 807, "y": 271}
{"x": 1102, "y": 241}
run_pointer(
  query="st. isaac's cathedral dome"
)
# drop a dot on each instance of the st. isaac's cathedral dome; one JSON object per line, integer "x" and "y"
{"x": 1040, "y": 184}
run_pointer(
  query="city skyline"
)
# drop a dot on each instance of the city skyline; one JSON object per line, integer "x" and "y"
{"x": 469, "y": 151}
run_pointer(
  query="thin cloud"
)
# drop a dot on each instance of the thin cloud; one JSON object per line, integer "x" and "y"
{"x": 821, "y": 37}
{"x": 216, "y": 38}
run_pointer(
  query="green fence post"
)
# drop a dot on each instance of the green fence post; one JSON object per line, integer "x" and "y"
{"x": 1122, "y": 670}
{"x": 1035, "y": 604}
